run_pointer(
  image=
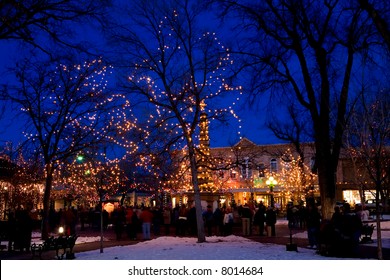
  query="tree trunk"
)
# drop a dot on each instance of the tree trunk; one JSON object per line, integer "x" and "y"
{"x": 46, "y": 204}
{"x": 378, "y": 221}
{"x": 198, "y": 204}
{"x": 327, "y": 182}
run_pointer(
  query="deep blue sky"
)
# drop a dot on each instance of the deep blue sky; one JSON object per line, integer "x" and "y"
{"x": 252, "y": 120}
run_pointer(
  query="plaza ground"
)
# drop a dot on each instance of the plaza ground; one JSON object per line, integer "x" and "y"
{"x": 89, "y": 240}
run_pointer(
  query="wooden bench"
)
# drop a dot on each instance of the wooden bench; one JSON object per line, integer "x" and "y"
{"x": 63, "y": 245}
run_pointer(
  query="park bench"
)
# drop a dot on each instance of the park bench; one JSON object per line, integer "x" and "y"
{"x": 62, "y": 245}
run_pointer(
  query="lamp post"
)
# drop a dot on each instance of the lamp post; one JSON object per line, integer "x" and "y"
{"x": 98, "y": 179}
{"x": 101, "y": 197}
{"x": 271, "y": 182}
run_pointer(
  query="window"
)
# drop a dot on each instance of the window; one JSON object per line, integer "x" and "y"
{"x": 246, "y": 171}
{"x": 273, "y": 166}
{"x": 313, "y": 165}
{"x": 261, "y": 169}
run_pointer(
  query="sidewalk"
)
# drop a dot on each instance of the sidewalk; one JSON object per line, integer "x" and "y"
{"x": 281, "y": 238}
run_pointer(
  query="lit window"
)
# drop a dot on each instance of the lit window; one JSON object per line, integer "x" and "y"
{"x": 261, "y": 169}
{"x": 273, "y": 166}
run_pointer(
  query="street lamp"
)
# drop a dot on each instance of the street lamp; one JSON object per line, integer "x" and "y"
{"x": 271, "y": 182}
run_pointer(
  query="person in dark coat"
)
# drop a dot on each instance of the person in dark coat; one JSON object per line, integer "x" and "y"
{"x": 351, "y": 229}
{"x": 208, "y": 220}
{"x": 218, "y": 220}
{"x": 302, "y": 216}
{"x": 135, "y": 225}
{"x": 337, "y": 218}
{"x": 313, "y": 223}
{"x": 24, "y": 227}
{"x": 119, "y": 220}
{"x": 157, "y": 220}
{"x": 246, "y": 220}
{"x": 259, "y": 218}
{"x": 270, "y": 221}
{"x": 192, "y": 226}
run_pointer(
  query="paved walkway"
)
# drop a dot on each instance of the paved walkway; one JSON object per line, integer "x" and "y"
{"x": 281, "y": 238}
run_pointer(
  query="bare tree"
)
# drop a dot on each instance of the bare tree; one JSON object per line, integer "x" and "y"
{"x": 68, "y": 112}
{"x": 295, "y": 47}
{"x": 39, "y": 22}
{"x": 369, "y": 147}
{"x": 379, "y": 11}
{"x": 175, "y": 71}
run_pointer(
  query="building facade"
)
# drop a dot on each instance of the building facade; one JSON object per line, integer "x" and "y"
{"x": 243, "y": 172}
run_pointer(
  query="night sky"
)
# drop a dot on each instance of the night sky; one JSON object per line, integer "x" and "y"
{"x": 251, "y": 125}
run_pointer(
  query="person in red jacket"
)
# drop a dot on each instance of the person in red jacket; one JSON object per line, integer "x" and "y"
{"x": 146, "y": 217}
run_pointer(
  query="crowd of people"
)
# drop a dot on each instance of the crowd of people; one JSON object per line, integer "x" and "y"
{"x": 337, "y": 236}
{"x": 340, "y": 236}
{"x": 20, "y": 227}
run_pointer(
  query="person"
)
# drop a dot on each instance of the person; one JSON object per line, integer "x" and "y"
{"x": 146, "y": 218}
{"x": 313, "y": 223}
{"x": 270, "y": 221}
{"x": 351, "y": 229}
{"x": 218, "y": 220}
{"x": 228, "y": 220}
{"x": 259, "y": 218}
{"x": 246, "y": 219}
{"x": 337, "y": 218}
{"x": 208, "y": 220}
{"x": 191, "y": 221}
{"x": 105, "y": 219}
{"x": 128, "y": 219}
{"x": 23, "y": 230}
{"x": 157, "y": 220}
{"x": 83, "y": 214}
{"x": 135, "y": 225}
{"x": 290, "y": 215}
{"x": 119, "y": 219}
{"x": 302, "y": 216}
{"x": 182, "y": 220}
{"x": 175, "y": 219}
{"x": 167, "y": 219}
{"x": 69, "y": 220}
{"x": 362, "y": 213}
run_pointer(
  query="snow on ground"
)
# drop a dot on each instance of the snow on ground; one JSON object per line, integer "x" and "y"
{"x": 216, "y": 248}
